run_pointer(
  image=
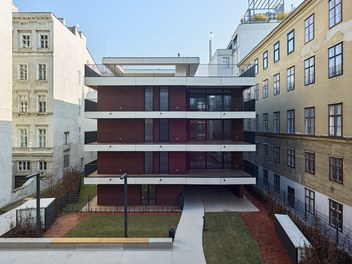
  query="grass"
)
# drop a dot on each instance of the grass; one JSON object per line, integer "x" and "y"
{"x": 227, "y": 240}
{"x": 113, "y": 226}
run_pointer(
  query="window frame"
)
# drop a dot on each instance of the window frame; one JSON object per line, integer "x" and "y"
{"x": 42, "y": 104}
{"x": 309, "y": 29}
{"x": 335, "y": 213}
{"x": 277, "y": 183}
{"x": 291, "y": 157}
{"x": 276, "y": 49}
{"x": 42, "y": 137}
{"x": 265, "y": 122}
{"x": 276, "y": 122}
{"x": 309, "y": 129}
{"x": 335, "y": 117}
{"x": 265, "y": 59}
{"x": 332, "y": 9}
{"x": 333, "y": 175}
{"x": 276, "y": 154}
{"x": 256, "y": 66}
{"x": 25, "y": 43}
{"x": 265, "y": 151}
{"x": 309, "y": 162}
{"x": 276, "y": 84}
{"x": 26, "y": 165}
{"x": 23, "y": 137}
{"x": 22, "y": 104}
{"x": 291, "y": 78}
{"x": 309, "y": 71}
{"x": 22, "y": 72}
{"x": 309, "y": 201}
{"x": 265, "y": 88}
{"x": 332, "y": 59}
{"x": 43, "y": 43}
{"x": 42, "y": 165}
{"x": 290, "y": 39}
{"x": 291, "y": 121}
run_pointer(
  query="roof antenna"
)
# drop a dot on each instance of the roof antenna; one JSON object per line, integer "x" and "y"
{"x": 210, "y": 45}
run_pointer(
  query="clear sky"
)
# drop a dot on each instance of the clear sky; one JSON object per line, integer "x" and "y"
{"x": 149, "y": 27}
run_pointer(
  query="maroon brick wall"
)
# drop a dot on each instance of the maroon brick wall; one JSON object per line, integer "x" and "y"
{"x": 177, "y": 130}
{"x": 237, "y": 98}
{"x": 237, "y": 129}
{"x": 120, "y": 98}
{"x": 168, "y": 194}
{"x": 113, "y": 194}
{"x": 237, "y": 160}
{"x": 120, "y": 162}
{"x": 120, "y": 131}
{"x": 177, "y": 98}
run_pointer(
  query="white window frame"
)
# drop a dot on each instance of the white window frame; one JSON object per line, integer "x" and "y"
{"x": 42, "y": 165}
{"x": 42, "y": 71}
{"x": 41, "y": 137}
{"x": 22, "y": 137}
{"x": 66, "y": 138}
{"x": 43, "y": 43}
{"x": 22, "y": 103}
{"x": 23, "y": 165}
{"x": 25, "y": 40}
{"x": 41, "y": 104}
{"x": 22, "y": 71}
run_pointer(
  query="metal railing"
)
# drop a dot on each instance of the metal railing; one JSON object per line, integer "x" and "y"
{"x": 203, "y": 70}
{"x": 342, "y": 237}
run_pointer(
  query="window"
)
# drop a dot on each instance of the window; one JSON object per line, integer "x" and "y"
{"x": 164, "y": 130}
{"x": 335, "y": 120}
{"x": 335, "y": 214}
{"x": 291, "y": 78}
{"x": 291, "y": 121}
{"x": 276, "y": 183}
{"x": 256, "y": 69}
{"x": 309, "y": 71}
{"x": 265, "y": 177}
{"x": 265, "y": 59}
{"x": 309, "y": 121}
{"x": 291, "y": 157}
{"x": 265, "y": 150}
{"x": 22, "y": 72}
{"x": 66, "y": 161}
{"x": 276, "y": 51}
{"x": 249, "y": 125}
{"x": 164, "y": 98}
{"x": 309, "y": 29}
{"x": 24, "y": 165}
{"x": 291, "y": 42}
{"x": 43, "y": 42}
{"x": 66, "y": 138}
{"x": 277, "y": 84}
{"x": 164, "y": 162}
{"x": 256, "y": 92}
{"x": 42, "y": 166}
{"x": 25, "y": 40}
{"x": 276, "y": 154}
{"x": 276, "y": 128}
{"x": 309, "y": 162}
{"x": 291, "y": 196}
{"x": 257, "y": 123}
{"x": 226, "y": 62}
{"x": 22, "y": 104}
{"x": 148, "y": 130}
{"x": 41, "y": 137}
{"x": 335, "y": 60}
{"x": 265, "y": 122}
{"x": 41, "y": 103}
{"x": 148, "y": 98}
{"x": 336, "y": 169}
{"x": 23, "y": 138}
{"x": 148, "y": 162}
{"x": 41, "y": 72}
{"x": 265, "y": 88}
{"x": 309, "y": 201}
{"x": 335, "y": 12}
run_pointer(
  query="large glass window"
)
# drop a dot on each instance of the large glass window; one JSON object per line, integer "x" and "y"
{"x": 309, "y": 121}
{"x": 164, "y": 130}
{"x": 164, "y": 162}
{"x": 148, "y": 130}
{"x": 335, "y": 120}
{"x": 335, "y": 60}
{"x": 210, "y": 130}
{"x": 309, "y": 71}
{"x": 335, "y": 12}
{"x": 291, "y": 42}
{"x": 209, "y": 160}
{"x": 309, "y": 29}
{"x": 164, "y": 98}
{"x": 210, "y": 100}
{"x": 148, "y": 99}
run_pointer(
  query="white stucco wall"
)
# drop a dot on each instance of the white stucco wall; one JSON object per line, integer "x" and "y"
{"x": 5, "y": 101}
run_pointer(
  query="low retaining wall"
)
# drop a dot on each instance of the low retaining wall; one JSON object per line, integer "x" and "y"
{"x": 46, "y": 243}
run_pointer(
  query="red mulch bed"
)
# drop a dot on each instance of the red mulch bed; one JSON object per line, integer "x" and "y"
{"x": 263, "y": 231}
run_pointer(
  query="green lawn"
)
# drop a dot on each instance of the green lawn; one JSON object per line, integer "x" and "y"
{"x": 138, "y": 226}
{"x": 227, "y": 240}
{"x": 86, "y": 191}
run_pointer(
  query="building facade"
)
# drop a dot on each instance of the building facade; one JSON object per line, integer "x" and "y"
{"x": 165, "y": 128}
{"x": 303, "y": 133}
{"x": 5, "y": 102}
{"x": 48, "y": 97}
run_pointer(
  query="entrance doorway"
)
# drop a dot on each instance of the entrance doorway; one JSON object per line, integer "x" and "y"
{"x": 148, "y": 194}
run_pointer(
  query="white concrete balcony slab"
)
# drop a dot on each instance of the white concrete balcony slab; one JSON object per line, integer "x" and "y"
{"x": 169, "y": 115}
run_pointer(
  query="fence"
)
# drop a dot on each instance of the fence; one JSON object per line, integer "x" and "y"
{"x": 341, "y": 235}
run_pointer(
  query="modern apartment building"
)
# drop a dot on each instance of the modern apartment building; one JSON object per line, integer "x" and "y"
{"x": 303, "y": 104}
{"x": 48, "y": 96}
{"x": 166, "y": 127}
{"x": 5, "y": 101}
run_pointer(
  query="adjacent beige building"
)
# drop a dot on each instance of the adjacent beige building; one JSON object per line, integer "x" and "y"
{"x": 48, "y": 97}
{"x": 5, "y": 101}
{"x": 303, "y": 104}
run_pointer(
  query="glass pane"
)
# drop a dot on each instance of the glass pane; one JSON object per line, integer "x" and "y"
{"x": 214, "y": 130}
{"x": 214, "y": 160}
{"x": 197, "y": 160}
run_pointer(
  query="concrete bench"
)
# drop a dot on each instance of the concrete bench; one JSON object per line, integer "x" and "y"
{"x": 292, "y": 238}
